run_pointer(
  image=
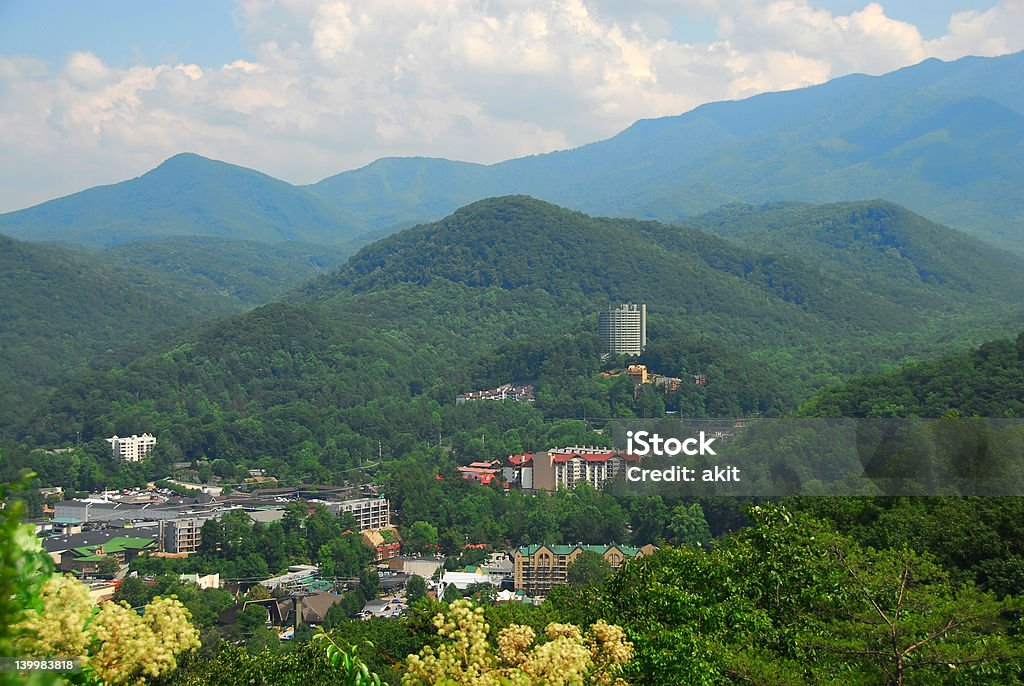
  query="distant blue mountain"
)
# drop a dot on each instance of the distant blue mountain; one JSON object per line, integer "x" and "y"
{"x": 944, "y": 139}
{"x": 188, "y": 195}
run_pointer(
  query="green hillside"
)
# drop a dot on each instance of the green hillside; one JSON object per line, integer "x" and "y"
{"x": 986, "y": 382}
{"x": 907, "y": 273}
{"x": 377, "y": 350}
{"x": 187, "y": 195}
{"x": 64, "y": 310}
{"x": 880, "y": 246}
{"x": 250, "y": 272}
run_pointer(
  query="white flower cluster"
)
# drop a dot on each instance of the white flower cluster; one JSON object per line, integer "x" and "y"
{"x": 567, "y": 658}
{"x": 113, "y": 642}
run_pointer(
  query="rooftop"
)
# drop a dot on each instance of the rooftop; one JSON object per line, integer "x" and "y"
{"x": 91, "y": 539}
{"x": 568, "y": 549}
{"x": 590, "y": 455}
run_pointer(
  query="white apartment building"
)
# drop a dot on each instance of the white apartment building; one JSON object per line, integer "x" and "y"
{"x": 369, "y": 513}
{"x": 132, "y": 449}
{"x": 623, "y": 329}
{"x": 569, "y": 467}
{"x": 182, "y": 535}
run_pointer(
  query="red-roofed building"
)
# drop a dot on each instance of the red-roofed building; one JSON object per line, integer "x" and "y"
{"x": 569, "y": 467}
{"x": 518, "y": 469}
{"x": 489, "y": 464}
{"x": 385, "y": 541}
{"x": 484, "y": 475}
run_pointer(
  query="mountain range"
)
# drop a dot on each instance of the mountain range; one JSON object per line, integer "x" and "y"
{"x": 424, "y": 311}
{"x": 188, "y": 195}
{"x": 944, "y": 139}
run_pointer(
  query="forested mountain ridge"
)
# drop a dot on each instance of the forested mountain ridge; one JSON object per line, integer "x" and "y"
{"x": 378, "y": 349}
{"x": 881, "y": 246}
{"x": 62, "y": 310}
{"x": 187, "y": 195}
{"x": 987, "y": 381}
{"x": 251, "y": 272}
{"x": 943, "y": 139}
{"x": 869, "y": 265}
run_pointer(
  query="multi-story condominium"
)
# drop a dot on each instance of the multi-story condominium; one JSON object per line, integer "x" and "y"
{"x": 133, "y": 448}
{"x": 569, "y": 467}
{"x": 370, "y": 513}
{"x": 623, "y": 329}
{"x": 182, "y": 535}
{"x": 540, "y": 567}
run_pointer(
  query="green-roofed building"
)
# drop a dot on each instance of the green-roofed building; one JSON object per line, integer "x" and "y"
{"x": 123, "y": 548}
{"x": 539, "y": 567}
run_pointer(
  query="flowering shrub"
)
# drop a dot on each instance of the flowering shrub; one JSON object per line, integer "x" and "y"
{"x": 566, "y": 658}
{"x": 115, "y": 644}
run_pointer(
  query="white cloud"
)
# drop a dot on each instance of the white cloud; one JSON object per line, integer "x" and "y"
{"x": 864, "y": 41}
{"x": 335, "y": 84}
{"x": 997, "y": 31}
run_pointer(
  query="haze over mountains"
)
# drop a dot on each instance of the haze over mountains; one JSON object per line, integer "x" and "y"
{"x": 944, "y": 139}
{"x": 909, "y": 136}
{"x": 850, "y": 250}
{"x": 186, "y": 195}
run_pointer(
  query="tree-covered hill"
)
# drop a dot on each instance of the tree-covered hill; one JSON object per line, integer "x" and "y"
{"x": 377, "y": 350}
{"x": 62, "y": 310}
{"x": 878, "y": 245}
{"x": 250, "y": 272}
{"x": 986, "y": 382}
{"x": 812, "y": 273}
{"x": 187, "y": 195}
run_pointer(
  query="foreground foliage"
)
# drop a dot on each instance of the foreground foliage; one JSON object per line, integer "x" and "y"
{"x": 115, "y": 644}
{"x": 567, "y": 658}
{"x": 790, "y": 601}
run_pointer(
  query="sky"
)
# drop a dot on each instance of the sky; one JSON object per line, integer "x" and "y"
{"x": 98, "y": 92}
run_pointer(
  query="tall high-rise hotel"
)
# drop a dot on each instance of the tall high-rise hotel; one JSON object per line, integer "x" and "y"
{"x": 623, "y": 329}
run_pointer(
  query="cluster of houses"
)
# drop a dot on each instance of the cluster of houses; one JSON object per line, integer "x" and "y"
{"x": 526, "y": 573}
{"x": 84, "y": 531}
{"x": 89, "y": 533}
{"x": 523, "y": 393}
{"x": 640, "y": 376}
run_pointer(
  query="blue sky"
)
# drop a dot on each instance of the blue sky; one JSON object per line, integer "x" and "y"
{"x": 931, "y": 16}
{"x": 123, "y": 33}
{"x": 96, "y": 92}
